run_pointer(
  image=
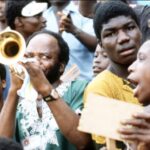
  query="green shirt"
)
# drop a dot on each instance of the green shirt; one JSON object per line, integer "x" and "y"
{"x": 43, "y": 133}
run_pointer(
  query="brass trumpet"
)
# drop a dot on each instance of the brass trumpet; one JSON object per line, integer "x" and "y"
{"x": 12, "y": 46}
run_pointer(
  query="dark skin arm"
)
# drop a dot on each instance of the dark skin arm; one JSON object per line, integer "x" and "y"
{"x": 8, "y": 112}
{"x": 139, "y": 132}
{"x": 66, "y": 24}
{"x": 67, "y": 120}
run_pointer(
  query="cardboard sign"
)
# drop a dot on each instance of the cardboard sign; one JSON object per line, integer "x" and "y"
{"x": 102, "y": 115}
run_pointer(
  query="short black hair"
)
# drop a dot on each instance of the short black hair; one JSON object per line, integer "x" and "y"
{"x": 2, "y": 72}
{"x": 13, "y": 9}
{"x": 9, "y": 144}
{"x": 109, "y": 10}
{"x": 63, "y": 46}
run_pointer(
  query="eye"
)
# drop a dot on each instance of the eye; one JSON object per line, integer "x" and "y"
{"x": 141, "y": 57}
{"x": 29, "y": 55}
{"x": 104, "y": 55}
{"x": 131, "y": 27}
{"x": 44, "y": 57}
{"x": 110, "y": 34}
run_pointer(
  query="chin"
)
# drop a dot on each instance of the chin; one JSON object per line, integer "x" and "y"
{"x": 144, "y": 100}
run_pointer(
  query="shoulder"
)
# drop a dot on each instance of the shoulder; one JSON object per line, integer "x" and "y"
{"x": 102, "y": 84}
{"x": 79, "y": 83}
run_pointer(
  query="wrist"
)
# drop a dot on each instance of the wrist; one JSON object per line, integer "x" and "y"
{"x": 52, "y": 96}
{"x": 77, "y": 32}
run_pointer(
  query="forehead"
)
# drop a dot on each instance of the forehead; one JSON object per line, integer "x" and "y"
{"x": 145, "y": 48}
{"x": 42, "y": 42}
{"x": 117, "y": 22}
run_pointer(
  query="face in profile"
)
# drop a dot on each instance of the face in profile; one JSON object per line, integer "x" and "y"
{"x": 33, "y": 24}
{"x": 101, "y": 60}
{"x": 140, "y": 74}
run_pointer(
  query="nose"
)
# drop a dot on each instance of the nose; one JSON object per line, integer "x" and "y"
{"x": 43, "y": 20}
{"x": 132, "y": 67}
{"x": 98, "y": 59}
{"x": 123, "y": 37}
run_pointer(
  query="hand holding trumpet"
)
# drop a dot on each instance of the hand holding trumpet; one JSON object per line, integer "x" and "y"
{"x": 16, "y": 78}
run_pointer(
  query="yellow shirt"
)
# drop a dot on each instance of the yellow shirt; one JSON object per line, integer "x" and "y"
{"x": 109, "y": 85}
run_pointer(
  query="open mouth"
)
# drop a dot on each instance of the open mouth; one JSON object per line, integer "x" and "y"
{"x": 135, "y": 86}
{"x": 133, "y": 83}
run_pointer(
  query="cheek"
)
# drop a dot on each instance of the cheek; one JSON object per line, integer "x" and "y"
{"x": 144, "y": 90}
{"x": 109, "y": 43}
{"x": 137, "y": 38}
{"x": 47, "y": 65}
{"x": 34, "y": 24}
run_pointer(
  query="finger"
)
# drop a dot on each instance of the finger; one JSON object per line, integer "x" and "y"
{"x": 65, "y": 23}
{"x": 139, "y": 123}
{"x": 142, "y": 115}
{"x": 136, "y": 137}
{"x": 132, "y": 131}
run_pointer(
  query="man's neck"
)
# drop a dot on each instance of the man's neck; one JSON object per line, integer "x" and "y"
{"x": 119, "y": 70}
{"x": 22, "y": 33}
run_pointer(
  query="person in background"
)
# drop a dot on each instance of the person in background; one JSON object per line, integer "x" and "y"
{"x": 86, "y": 8}
{"x": 3, "y": 23}
{"x": 101, "y": 61}
{"x": 63, "y": 17}
{"x": 27, "y": 18}
{"x": 117, "y": 29}
{"x": 143, "y": 13}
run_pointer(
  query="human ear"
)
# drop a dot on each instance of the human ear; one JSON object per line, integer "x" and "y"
{"x": 3, "y": 84}
{"x": 61, "y": 68}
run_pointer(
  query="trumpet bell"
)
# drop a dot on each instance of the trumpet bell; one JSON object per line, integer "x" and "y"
{"x": 12, "y": 47}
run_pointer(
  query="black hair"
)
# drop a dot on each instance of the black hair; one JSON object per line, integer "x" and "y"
{"x": 109, "y": 10}
{"x": 63, "y": 46}
{"x": 2, "y": 72}
{"x": 13, "y": 9}
{"x": 143, "y": 12}
{"x": 9, "y": 144}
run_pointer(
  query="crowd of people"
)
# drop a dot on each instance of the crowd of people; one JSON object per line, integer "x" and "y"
{"x": 109, "y": 43}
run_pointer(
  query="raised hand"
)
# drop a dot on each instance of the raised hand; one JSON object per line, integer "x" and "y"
{"x": 38, "y": 79}
{"x": 65, "y": 23}
{"x": 17, "y": 77}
